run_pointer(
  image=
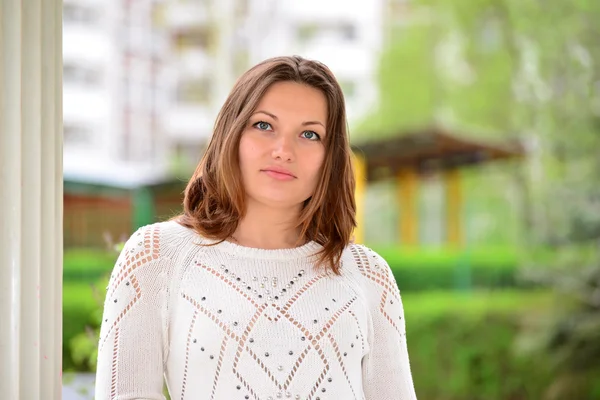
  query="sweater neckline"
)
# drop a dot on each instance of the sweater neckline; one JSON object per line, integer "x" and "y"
{"x": 308, "y": 249}
{"x": 292, "y": 253}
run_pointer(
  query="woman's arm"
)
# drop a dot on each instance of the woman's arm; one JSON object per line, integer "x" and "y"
{"x": 385, "y": 368}
{"x": 132, "y": 343}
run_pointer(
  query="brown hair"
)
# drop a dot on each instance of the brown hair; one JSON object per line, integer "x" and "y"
{"x": 214, "y": 197}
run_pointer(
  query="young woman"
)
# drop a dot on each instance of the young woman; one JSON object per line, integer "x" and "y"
{"x": 256, "y": 291}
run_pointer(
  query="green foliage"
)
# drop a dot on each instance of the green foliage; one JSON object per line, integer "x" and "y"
{"x": 84, "y": 349}
{"x": 87, "y": 265}
{"x": 465, "y": 345}
{"x": 434, "y": 257}
{"x": 445, "y": 268}
{"x": 82, "y": 313}
{"x": 571, "y": 336}
{"x": 406, "y": 74}
{"x": 450, "y": 63}
{"x": 461, "y": 338}
{"x": 501, "y": 69}
{"x": 450, "y": 268}
{"x": 82, "y": 303}
{"x": 82, "y": 308}
{"x": 466, "y": 340}
{"x": 498, "y": 69}
{"x": 414, "y": 269}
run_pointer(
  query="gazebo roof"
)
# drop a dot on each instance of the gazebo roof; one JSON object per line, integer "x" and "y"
{"x": 430, "y": 150}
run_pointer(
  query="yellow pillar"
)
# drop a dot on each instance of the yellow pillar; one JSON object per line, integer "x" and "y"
{"x": 454, "y": 232}
{"x": 360, "y": 175}
{"x": 408, "y": 220}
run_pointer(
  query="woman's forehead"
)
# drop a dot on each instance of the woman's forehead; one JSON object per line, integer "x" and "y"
{"x": 284, "y": 99}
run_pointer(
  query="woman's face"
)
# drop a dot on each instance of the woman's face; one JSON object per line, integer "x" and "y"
{"x": 282, "y": 148}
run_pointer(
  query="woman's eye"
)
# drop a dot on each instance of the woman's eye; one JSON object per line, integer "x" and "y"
{"x": 310, "y": 135}
{"x": 262, "y": 125}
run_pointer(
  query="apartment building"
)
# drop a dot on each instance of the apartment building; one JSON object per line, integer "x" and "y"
{"x": 215, "y": 41}
{"x": 203, "y": 56}
{"x": 114, "y": 60}
{"x": 144, "y": 79}
{"x": 345, "y": 35}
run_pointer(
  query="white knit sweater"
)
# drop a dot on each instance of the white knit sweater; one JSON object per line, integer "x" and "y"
{"x": 231, "y": 322}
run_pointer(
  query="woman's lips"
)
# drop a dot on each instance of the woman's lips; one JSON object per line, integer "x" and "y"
{"x": 279, "y": 174}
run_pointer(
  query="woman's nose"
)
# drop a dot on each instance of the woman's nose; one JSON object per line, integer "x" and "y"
{"x": 283, "y": 148}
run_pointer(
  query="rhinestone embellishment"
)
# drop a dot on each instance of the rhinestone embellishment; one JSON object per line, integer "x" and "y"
{"x": 263, "y": 284}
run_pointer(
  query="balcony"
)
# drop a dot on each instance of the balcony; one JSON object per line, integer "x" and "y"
{"x": 189, "y": 123}
{"x": 333, "y": 10}
{"x": 194, "y": 63}
{"x": 85, "y": 105}
{"x": 86, "y": 44}
{"x": 344, "y": 59}
{"x": 183, "y": 16}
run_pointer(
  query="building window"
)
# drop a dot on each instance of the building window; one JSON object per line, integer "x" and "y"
{"x": 201, "y": 38}
{"x": 77, "y": 135}
{"x": 73, "y": 73}
{"x": 347, "y": 31}
{"x": 241, "y": 61}
{"x": 241, "y": 9}
{"x": 342, "y": 31}
{"x": 348, "y": 87}
{"x": 194, "y": 91}
{"x": 184, "y": 157}
{"x": 307, "y": 32}
{"x": 77, "y": 13}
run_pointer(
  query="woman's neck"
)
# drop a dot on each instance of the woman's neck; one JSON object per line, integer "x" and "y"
{"x": 268, "y": 228}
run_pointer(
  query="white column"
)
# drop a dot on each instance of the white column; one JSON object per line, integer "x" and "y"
{"x": 31, "y": 199}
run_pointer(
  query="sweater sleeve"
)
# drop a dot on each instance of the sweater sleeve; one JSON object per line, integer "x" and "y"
{"x": 131, "y": 347}
{"x": 385, "y": 368}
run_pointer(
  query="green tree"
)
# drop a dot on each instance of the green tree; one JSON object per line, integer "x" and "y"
{"x": 528, "y": 69}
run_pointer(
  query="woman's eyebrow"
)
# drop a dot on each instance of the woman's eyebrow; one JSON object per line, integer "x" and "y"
{"x": 267, "y": 113}
{"x": 313, "y": 123}
{"x": 276, "y": 119}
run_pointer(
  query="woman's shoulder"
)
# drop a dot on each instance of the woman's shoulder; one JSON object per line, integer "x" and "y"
{"x": 365, "y": 259}
{"x": 156, "y": 250}
{"x": 163, "y": 238}
{"x": 370, "y": 265}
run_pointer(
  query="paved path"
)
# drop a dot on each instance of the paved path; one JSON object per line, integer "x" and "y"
{"x": 78, "y": 386}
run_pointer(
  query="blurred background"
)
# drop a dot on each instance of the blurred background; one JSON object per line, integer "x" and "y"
{"x": 476, "y": 131}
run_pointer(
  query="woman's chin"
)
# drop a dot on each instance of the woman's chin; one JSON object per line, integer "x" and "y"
{"x": 279, "y": 202}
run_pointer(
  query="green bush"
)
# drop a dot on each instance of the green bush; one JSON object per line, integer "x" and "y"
{"x": 87, "y": 265}
{"x": 462, "y": 345}
{"x": 85, "y": 275}
{"x": 82, "y": 313}
{"x": 414, "y": 269}
{"x": 465, "y": 346}
{"x": 446, "y": 268}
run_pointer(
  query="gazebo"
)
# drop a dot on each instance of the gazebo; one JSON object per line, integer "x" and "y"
{"x": 408, "y": 156}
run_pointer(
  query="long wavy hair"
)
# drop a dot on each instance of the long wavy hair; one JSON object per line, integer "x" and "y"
{"x": 214, "y": 198}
